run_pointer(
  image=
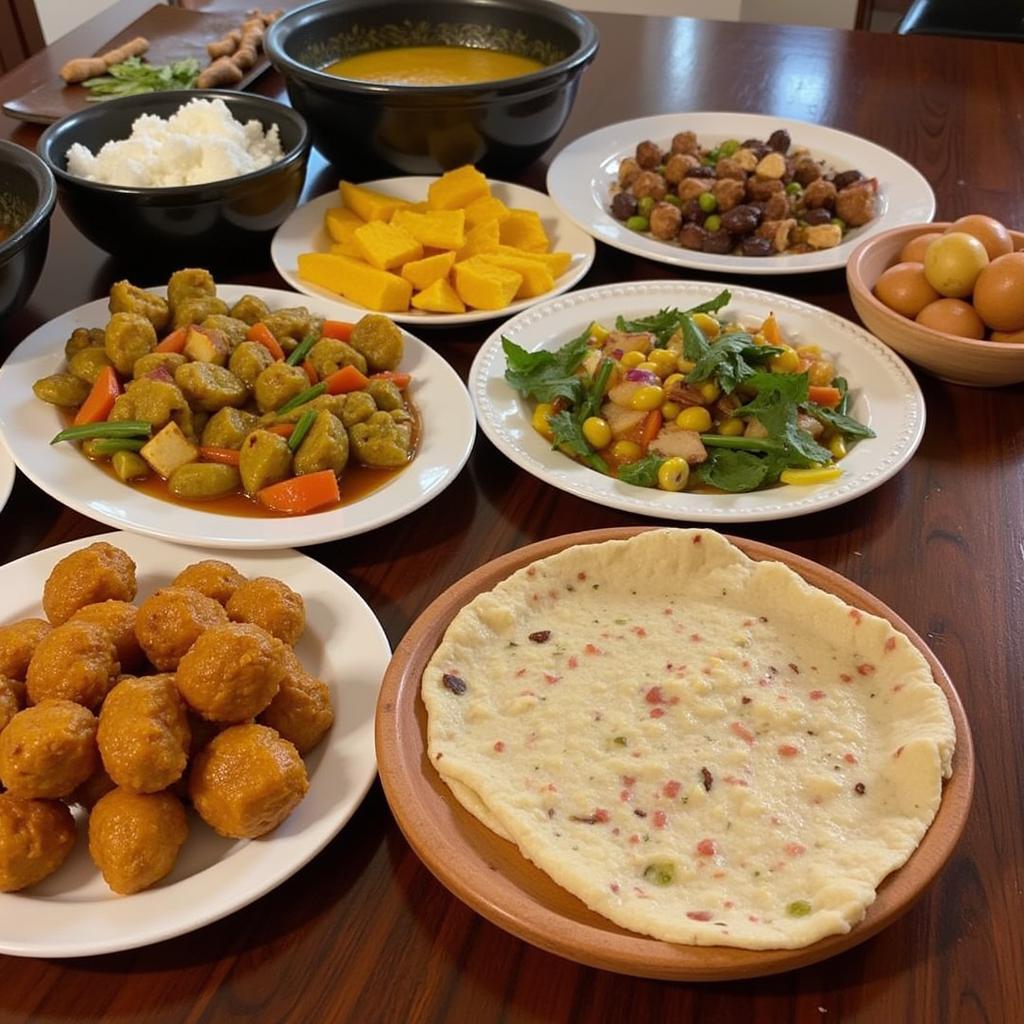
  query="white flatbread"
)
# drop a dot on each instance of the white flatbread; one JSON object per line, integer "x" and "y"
{"x": 701, "y": 747}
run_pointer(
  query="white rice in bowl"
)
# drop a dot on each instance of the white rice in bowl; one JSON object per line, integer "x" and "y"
{"x": 199, "y": 143}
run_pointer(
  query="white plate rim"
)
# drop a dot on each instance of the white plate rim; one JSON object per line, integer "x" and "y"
{"x": 7, "y": 474}
{"x": 508, "y": 427}
{"x": 27, "y": 424}
{"x": 284, "y": 251}
{"x": 909, "y": 200}
{"x": 38, "y": 925}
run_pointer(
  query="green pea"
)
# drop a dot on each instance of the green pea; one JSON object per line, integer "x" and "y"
{"x": 713, "y": 223}
{"x": 794, "y": 188}
{"x": 673, "y": 199}
{"x": 798, "y": 908}
{"x": 729, "y": 147}
{"x": 707, "y": 202}
{"x": 839, "y": 223}
{"x": 645, "y": 205}
{"x": 636, "y": 223}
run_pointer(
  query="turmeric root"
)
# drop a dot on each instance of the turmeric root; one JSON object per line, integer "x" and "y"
{"x": 222, "y": 72}
{"x": 81, "y": 68}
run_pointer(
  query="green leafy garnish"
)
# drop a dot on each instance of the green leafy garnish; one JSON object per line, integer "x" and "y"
{"x": 660, "y": 872}
{"x": 778, "y": 398}
{"x": 737, "y": 471}
{"x": 544, "y": 375}
{"x": 728, "y": 359}
{"x": 134, "y": 76}
{"x": 666, "y": 322}
{"x": 643, "y": 472}
{"x": 845, "y": 425}
{"x": 567, "y": 431}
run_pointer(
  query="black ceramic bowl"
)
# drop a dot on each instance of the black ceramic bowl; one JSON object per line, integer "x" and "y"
{"x": 364, "y": 128}
{"x": 220, "y": 217}
{"x": 27, "y": 195}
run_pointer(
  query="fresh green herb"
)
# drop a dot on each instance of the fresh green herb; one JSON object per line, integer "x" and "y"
{"x": 301, "y": 350}
{"x": 778, "y": 398}
{"x": 567, "y": 431}
{"x": 660, "y": 872}
{"x": 298, "y": 435}
{"x": 741, "y": 443}
{"x": 544, "y": 375}
{"x": 844, "y": 391}
{"x": 642, "y": 473}
{"x": 666, "y": 322}
{"x": 737, "y": 471}
{"x": 728, "y": 360}
{"x": 134, "y": 76}
{"x": 303, "y": 397}
{"x": 845, "y": 425}
{"x": 113, "y": 428}
{"x": 102, "y": 446}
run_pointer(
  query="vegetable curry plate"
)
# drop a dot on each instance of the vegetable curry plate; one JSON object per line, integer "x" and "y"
{"x": 770, "y": 441}
{"x": 445, "y": 438}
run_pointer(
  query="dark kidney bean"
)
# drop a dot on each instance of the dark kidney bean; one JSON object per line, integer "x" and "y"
{"x": 846, "y": 178}
{"x": 692, "y": 237}
{"x": 623, "y": 205}
{"x": 719, "y": 242}
{"x": 701, "y": 172}
{"x": 779, "y": 141}
{"x": 816, "y": 217}
{"x": 752, "y": 144}
{"x": 692, "y": 212}
{"x": 754, "y": 245}
{"x": 741, "y": 220}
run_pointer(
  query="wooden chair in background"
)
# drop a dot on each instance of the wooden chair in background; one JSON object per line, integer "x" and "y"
{"x": 20, "y": 33}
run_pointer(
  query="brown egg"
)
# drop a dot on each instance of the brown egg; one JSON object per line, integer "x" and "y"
{"x": 913, "y": 251}
{"x": 986, "y": 230}
{"x": 905, "y": 289}
{"x": 999, "y": 293}
{"x": 1012, "y": 337}
{"x": 952, "y": 316}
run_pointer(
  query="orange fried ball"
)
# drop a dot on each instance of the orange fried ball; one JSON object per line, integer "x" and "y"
{"x": 99, "y": 572}
{"x": 143, "y": 735}
{"x": 271, "y": 604}
{"x": 12, "y": 700}
{"x": 36, "y": 837}
{"x": 18, "y": 643}
{"x": 301, "y": 712}
{"x": 48, "y": 750}
{"x": 232, "y": 672}
{"x": 212, "y": 578}
{"x": 90, "y": 792}
{"x": 246, "y": 781}
{"x": 134, "y": 838}
{"x": 171, "y": 620}
{"x": 76, "y": 661}
{"x": 118, "y": 619}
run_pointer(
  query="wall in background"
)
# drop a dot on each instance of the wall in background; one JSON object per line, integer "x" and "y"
{"x": 832, "y": 13}
{"x": 57, "y": 17}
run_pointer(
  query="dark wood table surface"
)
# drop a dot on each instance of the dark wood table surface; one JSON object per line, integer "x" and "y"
{"x": 365, "y": 933}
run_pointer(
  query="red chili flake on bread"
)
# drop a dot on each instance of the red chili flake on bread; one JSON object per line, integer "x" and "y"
{"x": 849, "y": 759}
{"x": 859, "y": 789}
{"x": 659, "y": 819}
{"x": 581, "y": 576}
{"x": 657, "y": 712}
{"x": 698, "y": 915}
{"x": 499, "y": 747}
{"x": 817, "y": 694}
{"x": 739, "y": 729}
{"x": 707, "y": 848}
{"x": 795, "y": 849}
{"x": 573, "y": 663}
{"x": 890, "y": 644}
{"x": 655, "y": 696}
{"x": 855, "y": 615}
{"x": 671, "y": 788}
{"x": 592, "y": 649}
{"x": 865, "y": 669}
{"x": 788, "y": 750}
{"x": 846, "y": 677}
{"x": 707, "y": 778}
{"x": 454, "y": 683}
{"x": 542, "y": 636}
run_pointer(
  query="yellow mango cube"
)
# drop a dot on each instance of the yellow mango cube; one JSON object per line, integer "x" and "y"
{"x": 483, "y": 238}
{"x": 485, "y": 286}
{"x": 421, "y": 274}
{"x": 340, "y": 223}
{"x": 368, "y": 203}
{"x": 537, "y": 279}
{"x": 456, "y": 189}
{"x": 356, "y": 281}
{"x": 440, "y": 229}
{"x": 557, "y": 262}
{"x": 384, "y": 246}
{"x": 439, "y": 297}
{"x": 485, "y": 208}
{"x": 348, "y": 248}
{"x": 523, "y": 229}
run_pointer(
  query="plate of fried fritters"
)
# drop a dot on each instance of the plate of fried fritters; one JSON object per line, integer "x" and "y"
{"x": 178, "y": 735}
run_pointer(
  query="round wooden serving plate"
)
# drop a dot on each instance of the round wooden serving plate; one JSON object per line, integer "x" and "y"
{"x": 491, "y": 875}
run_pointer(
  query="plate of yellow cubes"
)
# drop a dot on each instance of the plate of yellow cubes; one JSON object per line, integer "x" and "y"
{"x": 455, "y": 249}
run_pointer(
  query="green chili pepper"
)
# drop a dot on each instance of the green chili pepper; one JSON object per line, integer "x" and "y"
{"x": 301, "y": 350}
{"x": 113, "y": 428}
{"x": 298, "y": 435}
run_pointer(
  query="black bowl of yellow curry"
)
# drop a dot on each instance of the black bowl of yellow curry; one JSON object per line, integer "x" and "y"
{"x": 424, "y": 87}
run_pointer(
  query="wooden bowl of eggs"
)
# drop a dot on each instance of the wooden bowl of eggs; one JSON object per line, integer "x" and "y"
{"x": 947, "y": 296}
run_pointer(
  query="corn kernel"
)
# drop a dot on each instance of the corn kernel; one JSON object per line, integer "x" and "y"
{"x": 664, "y": 362}
{"x": 631, "y": 360}
{"x": 673, "y": 474}
{"x": 731, "y": 427}
{"x": 647, "y": 398}
{"x": 672, "y": 380}
{"x": 541, "y": 414}
{"x": 696, "y": 417}
{"x": 837, "y": 446}
{"x": 670, "y": 410}
{"x": 786, "y": 362}
{"x": 626, "y": 451}
{"x": 599, "y": 333}
{"x": 685, "y": 365}
{"x": 709, "y": 391}
{"x": 597, "y": 432}
{"x": 809, "y": 351}
{"x": 708, "y": 325}
{"x": 648, "y": 366}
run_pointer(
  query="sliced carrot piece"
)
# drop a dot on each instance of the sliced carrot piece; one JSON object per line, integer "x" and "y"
{"x": 400, "y": 380}
{"x": 314, "y": 377}
{"x": 174, "y": 342}
{"x": 770, "y": 330}
{"x": 337, "y": 329}
{"x": 829, "y": 397}
{"x": 650, "y": 427}
{"x": 262, "y": 335}
{"x": 348, "y": 378}
{"x": 283, "y": 429}
{"x": 226, "y": 456}
{"x": 302, "y": 494}
{"x": 100, "y": 400}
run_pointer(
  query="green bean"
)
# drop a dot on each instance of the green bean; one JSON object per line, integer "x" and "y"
{"x": 303, "y": 397}
{"x": 113, "y": 428}
{"x": 750, "y": 444}
{"x": 301, "y": 350}
{"x": 298, "y": 435}
{"x": 108, "y": 445}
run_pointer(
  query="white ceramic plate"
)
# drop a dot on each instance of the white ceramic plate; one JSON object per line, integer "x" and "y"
{"x": 304, "y": 231}
{"x": 7, "y": 472}
{"x": 581, "y": 177}
{"x": 27, "y": 424}
{"x": 73, "y": 913}
{"x": 884, "y": 395}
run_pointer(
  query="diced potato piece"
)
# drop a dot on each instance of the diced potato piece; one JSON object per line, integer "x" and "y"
{"x": 421, "y": 207}
{"x": 339, "y": 223}
{"x": 168, "y": 450}
{"x": 367, "y": 203}
{"x": 206, "y": 345}
{"x": 384, "y": 246}
{"x": 485, "y": 286}
{"x": 485, "y": 208}
{"x": 357, "y": 281}
{"x": 440, "y": 297}
{"x": 537, "y": 279}
{"x": 348, "y": 248}
{"x": 423, "y": 273}
{"x": 557, "y": 262}
{"x": 456, "y": 189}
{"x": 523, "y": 229}
{"x": 440, "y": 229}
{"x": 483, "y": 238}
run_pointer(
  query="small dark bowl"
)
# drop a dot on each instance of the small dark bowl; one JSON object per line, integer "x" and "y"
{"x": 156, "y": 224}
{"x": 27, "y": 195}
{"x": 366, "y": 128}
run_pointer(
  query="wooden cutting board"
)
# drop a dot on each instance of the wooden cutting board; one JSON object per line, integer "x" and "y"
{"x": 174, "y": 33}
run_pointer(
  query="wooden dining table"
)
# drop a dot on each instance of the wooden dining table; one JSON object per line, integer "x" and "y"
{"x": 364, "y": 932}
